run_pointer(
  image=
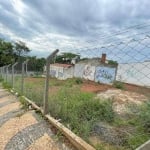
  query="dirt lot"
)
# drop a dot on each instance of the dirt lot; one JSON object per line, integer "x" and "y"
{"x": 89, "y": 86}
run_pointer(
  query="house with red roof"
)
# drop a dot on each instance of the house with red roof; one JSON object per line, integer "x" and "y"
{"x": 62, "y": 71}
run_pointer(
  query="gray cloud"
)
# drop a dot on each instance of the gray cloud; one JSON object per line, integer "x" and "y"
{"x": 66, "y": 23}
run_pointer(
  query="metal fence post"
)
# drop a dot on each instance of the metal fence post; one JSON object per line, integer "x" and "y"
{"x": 22, "y": 81}
{"x": 22, "y": 78}
{"x": 7, "y": 72}
{"x": 13, "y": 66}
{"x": 0, "y": 72}
{"x": 3, "y": 72}
{"x": 48, "y": 61}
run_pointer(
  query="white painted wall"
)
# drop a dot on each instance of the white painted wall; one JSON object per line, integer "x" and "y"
{"x": 61, "y": 72}
{"x": 68, "y": 72}
{"x": 56, "y": 71}
{"x": 134, "y": 73}
{"x": 78, "y": 70}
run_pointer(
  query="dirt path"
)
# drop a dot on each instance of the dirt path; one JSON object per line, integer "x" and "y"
{"x": 24, "y": 130}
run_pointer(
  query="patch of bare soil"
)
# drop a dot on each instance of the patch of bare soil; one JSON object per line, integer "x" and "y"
{"x": 122, "y": 99}
{"x": 138, "y": 89}
{"x": 90, "y": 86}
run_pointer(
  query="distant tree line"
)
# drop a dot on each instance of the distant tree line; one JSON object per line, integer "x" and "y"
{"x": 11, "y": 52}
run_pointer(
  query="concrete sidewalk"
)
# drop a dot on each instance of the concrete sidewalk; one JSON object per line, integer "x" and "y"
{"x": 24, "y": 130}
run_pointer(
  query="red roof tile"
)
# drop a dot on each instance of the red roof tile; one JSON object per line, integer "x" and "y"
{"x": 62, "y": 65}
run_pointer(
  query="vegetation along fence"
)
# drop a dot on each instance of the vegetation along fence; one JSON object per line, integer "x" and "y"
{"x": 101, "y": 93}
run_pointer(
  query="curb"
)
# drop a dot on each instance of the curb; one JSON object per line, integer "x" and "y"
{"x": 145, "y": 146}
{"x": 78, "y": 142}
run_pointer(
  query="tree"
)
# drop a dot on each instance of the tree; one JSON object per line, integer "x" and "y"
{"x": 21, "y": 48}
{"x": 65, "y": 57}
{"x": 6, "y": 53}
{"x": 12, "y": 52}
{"x": 36, "y": 64}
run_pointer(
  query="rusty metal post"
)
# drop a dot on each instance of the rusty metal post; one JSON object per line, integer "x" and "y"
{"x": 48, "y": 61}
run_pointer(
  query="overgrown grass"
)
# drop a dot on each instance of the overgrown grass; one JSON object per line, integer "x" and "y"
{"x": 6, "y": 85}
{"x": 144, "y": 116}
{"x": 139, "y": 124}
{"x": 79, "y": 110}
{"x": 1, "y": 79}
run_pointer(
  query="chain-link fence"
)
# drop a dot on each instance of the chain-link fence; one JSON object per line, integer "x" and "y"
{"x": 102, "y": 93}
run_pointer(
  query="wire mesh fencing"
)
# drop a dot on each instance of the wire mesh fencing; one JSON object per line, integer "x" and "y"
{"x": 101, "y": 93}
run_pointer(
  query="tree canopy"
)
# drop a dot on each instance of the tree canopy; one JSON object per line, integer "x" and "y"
{"x": 65, "y": 57}
{"x": 6, "y": 53}
{"x": 17, "y": 52}
{"x": 20, "y": 48}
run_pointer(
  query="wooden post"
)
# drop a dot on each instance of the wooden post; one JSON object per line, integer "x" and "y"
{"x": 46, "y": 90}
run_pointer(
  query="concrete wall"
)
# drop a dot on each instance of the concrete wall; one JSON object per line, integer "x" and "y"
{"x": 105, "y": 74}
{"x": 78, "y": 70}
{"x": 61, "y": 72}
{"x": 57, "y": 72}
{"x": 68, "y": 72}
{"x": 134, "y": 73}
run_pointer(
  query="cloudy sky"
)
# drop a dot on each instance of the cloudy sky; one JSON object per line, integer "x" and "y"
{"x": 45, "y": 25}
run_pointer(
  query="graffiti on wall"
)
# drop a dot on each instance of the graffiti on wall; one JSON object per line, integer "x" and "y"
{"x": 105, "y": 74}
{"x": 88, "y": 72}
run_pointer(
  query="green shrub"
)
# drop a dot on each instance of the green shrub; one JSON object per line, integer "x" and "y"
{"x": 118, "y": 84}
{"x": 111, "y": 62}
{"x": 79, "y": 81}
